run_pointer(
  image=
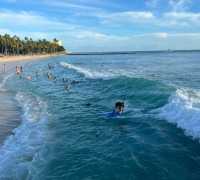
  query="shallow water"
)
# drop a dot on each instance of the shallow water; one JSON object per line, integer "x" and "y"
{"x": 62, "y": 137}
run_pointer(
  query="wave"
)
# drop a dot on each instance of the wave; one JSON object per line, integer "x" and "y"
{"x": 93, "y": 74}
{"x": 3, "y": 83}
{"x": 183, "y": 109}
{"x": 86, "y": 72}
{"x": 20, "y": 149}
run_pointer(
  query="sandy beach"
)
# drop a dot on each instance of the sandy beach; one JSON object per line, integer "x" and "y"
{"x": 6, "y": 59}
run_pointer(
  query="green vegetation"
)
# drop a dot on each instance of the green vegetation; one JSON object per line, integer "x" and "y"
{"x": 13, "y": 45}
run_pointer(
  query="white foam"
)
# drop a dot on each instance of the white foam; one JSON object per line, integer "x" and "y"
{"x": 3, "y": 83}
{"x": 93, "y": 74}
{"x": 20, "y": 149}
{"x": 183, "y": 109}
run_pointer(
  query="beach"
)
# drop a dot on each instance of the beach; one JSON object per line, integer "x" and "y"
{"x": 4, "y": 59}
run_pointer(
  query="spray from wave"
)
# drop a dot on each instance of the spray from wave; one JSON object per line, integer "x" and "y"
{"x": 20, "y": 149}
{"x": 183, "y": 109}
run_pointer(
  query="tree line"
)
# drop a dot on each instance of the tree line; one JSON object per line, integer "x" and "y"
{"x": 13, "y": 45}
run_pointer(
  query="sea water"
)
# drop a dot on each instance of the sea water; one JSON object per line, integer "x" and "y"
{"x": 64, "y": 134}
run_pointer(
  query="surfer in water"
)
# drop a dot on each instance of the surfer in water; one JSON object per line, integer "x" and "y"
{"x": 119, "y": 108}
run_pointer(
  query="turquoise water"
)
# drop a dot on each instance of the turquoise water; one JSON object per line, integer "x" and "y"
{"x": 61, "y": 136}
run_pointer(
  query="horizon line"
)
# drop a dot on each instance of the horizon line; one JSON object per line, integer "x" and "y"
{"x": 128, "y": 52}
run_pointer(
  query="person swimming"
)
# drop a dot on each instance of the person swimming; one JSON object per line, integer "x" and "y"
{"x": 119, "y": 109}
{"x": 29, "y": 78}
{"x": 66, "y": 87}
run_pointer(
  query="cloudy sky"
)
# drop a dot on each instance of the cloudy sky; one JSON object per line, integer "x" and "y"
{"x": 106, "y": 25}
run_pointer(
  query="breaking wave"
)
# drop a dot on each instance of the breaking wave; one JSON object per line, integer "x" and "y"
{"x": 183, "y": 109}
{"x": 20, "y": 149}
{"x": 94, "y": 74}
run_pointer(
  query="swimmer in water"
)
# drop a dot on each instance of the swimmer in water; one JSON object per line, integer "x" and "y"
{"x": 65, "y": 80}
{"x": 74, "y": 82}
{"x": 66, "y": 87}
{"x": 49, "y": 75}
{"x": 50, "y": 66}
{"x": 21, "y": 69}
{"x": 119, "y": 109}
{"x": 29, "y": 78}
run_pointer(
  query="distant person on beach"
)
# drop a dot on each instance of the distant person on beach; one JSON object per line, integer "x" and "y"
{"x": 119, "y": 109}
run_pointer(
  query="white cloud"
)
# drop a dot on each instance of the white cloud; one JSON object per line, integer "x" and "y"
{"x": 90, "y": 34}
{"x": 29, "y": 20}
{"x": 70, "y": 5}
{"x": 131, "y": 15}
{"x": 148, "y": 41}
{"x": 4, "y": 31}
{"x": 180, "y": 5}
{"x": 88, "y": 39}
{"x": 124, "y": 17}
{"x": 152, "y": 3}
{"x": 173, "y": 20}
{"x": 162, "y": 35}
{"x": 183, "y": 18}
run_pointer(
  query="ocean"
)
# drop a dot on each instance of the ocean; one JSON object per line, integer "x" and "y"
{"x": 61, "y": 131}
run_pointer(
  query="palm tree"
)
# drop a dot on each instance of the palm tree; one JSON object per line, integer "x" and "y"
{"x": 15, "y": 46}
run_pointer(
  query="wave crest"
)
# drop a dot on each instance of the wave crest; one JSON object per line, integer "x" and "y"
{"x": 20, "y": 149}
{"x": 92, "y": 74}
{"x": 183, "y": 109}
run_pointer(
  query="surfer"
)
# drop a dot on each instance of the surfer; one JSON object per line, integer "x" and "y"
{"x": 119, "y": 108}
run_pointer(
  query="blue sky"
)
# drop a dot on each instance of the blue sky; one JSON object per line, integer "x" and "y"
{"x": 106, "y": 25}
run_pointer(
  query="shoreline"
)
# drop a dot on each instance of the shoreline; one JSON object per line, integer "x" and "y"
{"x": 10, "y": 111}
{"x": 6, "y": 59}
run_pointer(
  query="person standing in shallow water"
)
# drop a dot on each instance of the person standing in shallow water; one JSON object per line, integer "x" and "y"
{"x": 21, "y": 69}
{"x": 119, "y": 109}
{"x": 17, "y": 70}
{"x": 4, "y": 68}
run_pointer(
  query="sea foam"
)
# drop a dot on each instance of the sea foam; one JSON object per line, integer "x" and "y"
{"x": 183, "y": 109}
{"x": 3, "y": 83}
{"x": 20, "y": 149}
{"x": 92, "y": 74}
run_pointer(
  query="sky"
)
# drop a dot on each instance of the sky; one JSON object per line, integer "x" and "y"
{"x": 106, "y": 25}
